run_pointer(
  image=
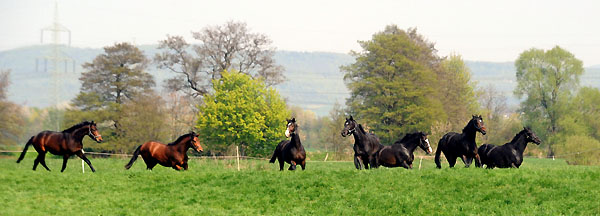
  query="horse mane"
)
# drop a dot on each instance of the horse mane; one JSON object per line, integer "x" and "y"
{"x": 407, "y": 137}
{"x": 514, "y": 140}
{"x": 464, "y": 130}
{"x": 74, "y": 127}
{"x": 178, "y": 140}
{"x": 360, "y": 127}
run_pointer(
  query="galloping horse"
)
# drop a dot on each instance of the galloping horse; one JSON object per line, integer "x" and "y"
{"x": 290, "y": 151}
{"x": 172, "y": 155}
{"x": 401, "y": 152}
{"x": 65, "y": 143}
{"x": 508, "y": 155}
{"x": 366, "y": 145}
{"x": 461, "y": 145}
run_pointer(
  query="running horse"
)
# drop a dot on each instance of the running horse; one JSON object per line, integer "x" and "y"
{"x": 65, "y": 143}
{"x": 290, "y": 151}
{"x": 366, "y": 145}
{"x": 509, "y": 155}
{"x": 462, "y": 145}
{"x": 400, "y": 154}
{"x": 172, "y": 155}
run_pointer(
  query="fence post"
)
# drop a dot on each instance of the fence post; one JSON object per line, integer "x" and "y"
{"x": 421, "y": 161}
{"x": 82, "y": 166}
{"x": 237, "y": 152}
{"x": 327, "y": 155}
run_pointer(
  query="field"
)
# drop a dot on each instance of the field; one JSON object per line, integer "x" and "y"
{"x": 215, "y": 187}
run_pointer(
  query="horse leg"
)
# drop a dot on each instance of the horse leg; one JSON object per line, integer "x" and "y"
{"x": 43, "y": 160}
{"x": 36, "y": 162}
{"x": 366, "y": 163}
{"x": 303, "y": 164}
{"x": 357, "y": 163}
{"x": 281, "y": 163}
{"x": 177, "y": 167}
{"x": 466, "y": 160}
{"x": 292, "y": 165}
{"x": 150, "y": 163}
{"x": 84, "y": 158}
{"x": 451, "y": 160}
{"x": 405, "y": 165}
{"x": 185, "y": 166}
{"x": 65, "y": 158}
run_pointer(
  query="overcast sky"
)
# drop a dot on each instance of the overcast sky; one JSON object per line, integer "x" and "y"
{"x": 478, "y": 30}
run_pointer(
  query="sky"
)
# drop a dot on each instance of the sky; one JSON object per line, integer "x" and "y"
{"x": 478, "y": 30}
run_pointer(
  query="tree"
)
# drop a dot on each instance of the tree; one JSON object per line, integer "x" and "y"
{"x": 111, "y": 79}
{"x": 221, "y": 48}
{"x": 11, "y": 117}
{"x": 331, "y": 132}
{"x": 393, "y": 83}
{"x": 456, "y": 91}
{"x": 242, "y": 111}
{"x": 547, "y": 79}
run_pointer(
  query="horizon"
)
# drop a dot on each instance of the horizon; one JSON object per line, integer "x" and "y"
{"x": 478, "y": 31}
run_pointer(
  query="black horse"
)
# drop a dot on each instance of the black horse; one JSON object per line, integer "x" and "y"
{"x": 401, "y": 152}
{"x": 366, "y": 145}
{"x": 509, "y": 155}
{"x": 461, "y": 145}
{"x": 290, "y": 151}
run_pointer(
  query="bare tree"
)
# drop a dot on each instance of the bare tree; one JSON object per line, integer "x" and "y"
{"x": 227, "y": 47}
{"x": 493, "y": 102}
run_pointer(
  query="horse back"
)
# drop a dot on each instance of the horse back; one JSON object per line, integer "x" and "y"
{"x": 52, "y": 141}
{"x": 155, "y": 150}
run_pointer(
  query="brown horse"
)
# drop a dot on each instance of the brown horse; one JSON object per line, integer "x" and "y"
{"x": 400, "y": 154}
{"x": 66, "y": 143}
{"x": 290, "y": 151}
{"x": 172, "y": 155}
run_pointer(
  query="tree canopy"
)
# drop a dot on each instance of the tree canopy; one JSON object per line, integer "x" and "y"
{"x": 242, "y": 111}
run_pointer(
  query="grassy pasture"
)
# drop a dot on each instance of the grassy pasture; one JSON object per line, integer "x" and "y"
{"x": 215, "y": 187}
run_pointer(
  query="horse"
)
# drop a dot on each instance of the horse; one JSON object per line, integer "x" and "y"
{"x": 400, "y": 154}
{"x": 65, "y": 143}
{"x": 461, "y": 145}
{"x": 171, "y": 155}
{"x": 509, "y": 155}
{"x": 366, "y": 145}
{"x": 290, "y": 151}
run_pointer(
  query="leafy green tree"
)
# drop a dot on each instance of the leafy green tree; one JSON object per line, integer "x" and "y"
{"x": 393, "y": 83}
{"x": 547, "y": 79}
{"x": 242, "y": 111}
{"x": 456, "y": 91}
{"x": 112, "y": 79}
{"x": 11, "y": 118}
{"x": 332, "y": 128}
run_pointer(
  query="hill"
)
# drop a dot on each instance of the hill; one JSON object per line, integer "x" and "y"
{"x": 313, "y": 82}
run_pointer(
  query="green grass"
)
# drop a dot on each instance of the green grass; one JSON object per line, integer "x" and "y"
{"x": 540, "y": 187}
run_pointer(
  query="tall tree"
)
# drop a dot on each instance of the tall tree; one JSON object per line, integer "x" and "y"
{"x": 393, "y": 83}
{"x": 112, "y": 78}
{"x": 331, "y": 132}
{"x": 221, "y": 48}
{"x": 11, "y": 117}
{"x": 456, "y": 91}
{"x": 547, "y": 79}
{"x": 242, "y": 111}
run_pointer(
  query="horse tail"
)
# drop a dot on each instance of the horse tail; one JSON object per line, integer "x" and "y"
{"x": 25, "y": 149}
{"x": 135, "y": 156}
{"x": 438, "y": 151}
{"x": 274, "y": 155}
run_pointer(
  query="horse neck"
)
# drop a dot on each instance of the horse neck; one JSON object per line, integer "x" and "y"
{"x": 470, "y": 132}
{"x": 182, "y": 146}
{"x": 359, "y": 136}
{"x": 79, "y": 133}
{"x": 519, "y": 142}
{"x": 410, "y": 145}
{"x": 296, "y": 140}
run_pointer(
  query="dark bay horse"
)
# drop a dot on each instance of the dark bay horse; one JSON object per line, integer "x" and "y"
{"x": 461, "y": 145}
{"x": 509, "y": 155}
{"x": 400, "y": 154}
{"x": 65, "y": 143}
{"x": 172, "y": 155}
{"x": 290, "y": 151}
{"x": 366, "y": 145}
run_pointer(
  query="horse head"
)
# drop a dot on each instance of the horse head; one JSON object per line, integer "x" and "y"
{"x": 194, "y": 142}
{"x": 531, "y": 137}
{"x": 349, "y": 126}
{"x": 424, "y": 143}
{"x": 291, "y": 127}
{"x": 477, "y": 123}
{"x": 93, "y": 132}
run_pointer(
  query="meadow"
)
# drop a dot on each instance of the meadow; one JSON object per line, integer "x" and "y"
{"x": 215, "y": 187}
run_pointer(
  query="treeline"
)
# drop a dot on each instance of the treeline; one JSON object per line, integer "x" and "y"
{"x": 399, "y": 84}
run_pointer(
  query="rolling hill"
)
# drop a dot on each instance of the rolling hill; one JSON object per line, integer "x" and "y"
{"x": 313, "y": 79}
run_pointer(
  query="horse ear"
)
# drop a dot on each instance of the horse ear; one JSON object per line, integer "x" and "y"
{"x": 351, "y": 119}
{"x": 479, "y": 116}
